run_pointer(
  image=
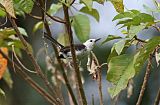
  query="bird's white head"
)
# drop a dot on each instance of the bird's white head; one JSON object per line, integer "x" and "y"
{"x": 90, "y": 43}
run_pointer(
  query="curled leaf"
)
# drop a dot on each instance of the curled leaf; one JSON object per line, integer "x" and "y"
{"x": 93, "y": 68}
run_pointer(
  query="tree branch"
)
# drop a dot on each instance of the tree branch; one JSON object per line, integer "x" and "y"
{"x": 140, "y": 40}
{"x": 146, "y": 77}
{"x": 30, "y": 81}
{"x": 60, "y": 64}
{"x": 62, "y": 69}
{"x": 77, "y": 71}
{"x": 34, "y": 62}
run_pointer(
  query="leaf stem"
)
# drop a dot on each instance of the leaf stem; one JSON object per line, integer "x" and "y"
{"x": 77, "y": 71}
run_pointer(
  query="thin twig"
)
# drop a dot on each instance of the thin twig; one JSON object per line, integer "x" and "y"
{"x": 157, "y": 100}
{"x": 6, "y": 20}
{"x": 140, "y": 40}
{"x": 57, "y": 19}
{"x": 35, "y": 17}
{"x": 72, "y": 2}
{"x": 34, "y": 62}
{"x": 77, "y": 71}
{"x": 99, "y": 80}
{"x": 61, "y": 66}
{"x": 25, "y": 68}
{"x": 146, "y": 77}
{"x": 29, "y": 80}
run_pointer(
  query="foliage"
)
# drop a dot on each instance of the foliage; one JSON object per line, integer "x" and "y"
{"x": 81, "y": 26}
{"x": 122, "y": 66}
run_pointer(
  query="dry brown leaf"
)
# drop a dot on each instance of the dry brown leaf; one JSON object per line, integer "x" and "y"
{"x": 8, "y": 5}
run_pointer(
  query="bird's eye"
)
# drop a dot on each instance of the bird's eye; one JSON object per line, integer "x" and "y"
{"x": 90, "y": 40}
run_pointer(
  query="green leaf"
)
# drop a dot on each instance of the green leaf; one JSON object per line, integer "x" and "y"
{"x": 119, "y": 46}
{"x": 6, "y": 32}
{"x": 63, "y": 39}
{"x": 133, "y": 17}
{"x": 88, "y": 3}
{"x": 118, "y": 5}
{"x": 123, "y": 15}
{"x": 145, "y": 52}
{"x": 23, "y": 6}
{"x": 143, "y": 17}
{"x": 7, "y": 78}
{"x": 121, "y": 69}
{"x": 54, "y": 8}
{"x": 92, "y": 12}
{"x": 2, "y": 97}
{"x": 134, "y": 30}
{"x": 127, "y": 15}
{"x": 23, "y": 31}
{"x": 2, "y": 12}
{"x": 111, "y": 37}
{"x": 81, "y": 26}
{"x": 37, "y": 26}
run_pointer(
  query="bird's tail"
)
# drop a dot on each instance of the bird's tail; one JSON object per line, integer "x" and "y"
{"x": 53, "y": 40}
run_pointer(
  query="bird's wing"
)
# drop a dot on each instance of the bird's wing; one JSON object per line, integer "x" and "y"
{"x": 79, "y": 47}
{"x": 53, "y": 40}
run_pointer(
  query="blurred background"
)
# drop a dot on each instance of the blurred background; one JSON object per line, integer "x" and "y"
{"x": 23, "y": 94}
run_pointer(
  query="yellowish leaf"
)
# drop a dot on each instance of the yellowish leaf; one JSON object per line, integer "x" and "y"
{"x": 118, "y": 5}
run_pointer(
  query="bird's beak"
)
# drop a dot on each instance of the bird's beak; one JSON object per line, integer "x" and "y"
{"x": 97, "y": 39}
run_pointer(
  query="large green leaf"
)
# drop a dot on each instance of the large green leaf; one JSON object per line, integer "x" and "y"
{"x": 134, "y": 30}
{"x": 111, "y": 37}
{"x": 118, "y": 5}
{"x": 81, "y": 26}
{"x": 54, "y": 8}
{"x": 145, "y": 52}
{"x": 121, "y": 69}
{"x": 88, "y": 3}
{"x": 92, "y": 12}
{"x": 119, "y": 46}
{"x": 128, "y": 14}
{"x": 133, "y": 17}
{"x": 23, "y": 6}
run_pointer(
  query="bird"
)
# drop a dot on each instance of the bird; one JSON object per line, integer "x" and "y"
{"x": 80, "y": 49}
